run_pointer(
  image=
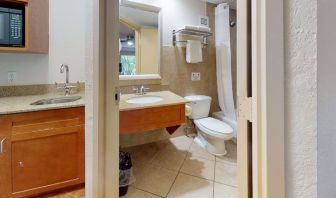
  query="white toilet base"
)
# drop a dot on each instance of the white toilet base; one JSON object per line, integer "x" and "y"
{"x": 214, "y": 146}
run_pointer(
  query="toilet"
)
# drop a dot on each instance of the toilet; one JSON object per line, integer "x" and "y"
{"x": 211, "y": 133}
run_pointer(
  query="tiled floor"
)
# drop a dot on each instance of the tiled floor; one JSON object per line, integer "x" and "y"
{"x": 179, "y": 168}
{"x": 73, "y": 193}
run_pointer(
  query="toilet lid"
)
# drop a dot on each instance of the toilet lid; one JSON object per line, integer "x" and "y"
{"x": 215, "y": 125}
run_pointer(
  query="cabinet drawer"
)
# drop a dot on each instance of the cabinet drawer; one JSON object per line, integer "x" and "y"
{"x": 46, "y": 120}
{"x": 151, "y": 118}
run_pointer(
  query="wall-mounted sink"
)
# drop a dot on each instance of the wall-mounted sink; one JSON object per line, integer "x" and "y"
{"x": 146, "y": 99}
{"x": 56, "y": 100}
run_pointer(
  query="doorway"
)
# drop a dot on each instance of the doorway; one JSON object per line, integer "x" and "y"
{"x": 254, "y": 156}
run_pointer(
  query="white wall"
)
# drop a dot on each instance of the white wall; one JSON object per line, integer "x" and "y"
{"x": 66, "y": 45}
{"x": 326, "y": 86}
{"x": 176, "y": 13}
{"x": 301, "y": 98}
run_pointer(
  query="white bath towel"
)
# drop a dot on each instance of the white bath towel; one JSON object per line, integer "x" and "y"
{"x": 197, "y": 27}
{"x": 190, "y": 27}
{"x": 194, "y": 51}
{"x": 204, "y": 28}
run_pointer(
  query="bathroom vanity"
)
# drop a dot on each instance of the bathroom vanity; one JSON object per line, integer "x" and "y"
{"x": 41, "y": 146}
{"x": 151, "y": 111}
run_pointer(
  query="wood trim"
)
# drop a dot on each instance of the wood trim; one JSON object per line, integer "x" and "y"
{"x": 135, "y": 121}
{"x": 26, "y": 47}
{"x": 130, "y": 24}
{"x": 16, "y": 1}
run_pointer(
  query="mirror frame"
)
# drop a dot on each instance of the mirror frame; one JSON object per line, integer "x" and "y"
{"x": 149, "y": 8}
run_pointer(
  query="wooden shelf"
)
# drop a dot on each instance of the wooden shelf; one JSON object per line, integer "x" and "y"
{"x": 16, "y": 1}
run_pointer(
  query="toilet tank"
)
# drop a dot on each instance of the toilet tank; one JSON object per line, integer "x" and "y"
{"x": 200, "y": 106}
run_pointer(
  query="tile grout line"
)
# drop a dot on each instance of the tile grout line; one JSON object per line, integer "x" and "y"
{"x": 172, "y": 184}
{"x": 179, "y": 170}
{"x": 226, "y": 184}
{"x": 147, "y": 192}
{"x": 214, "y": 181}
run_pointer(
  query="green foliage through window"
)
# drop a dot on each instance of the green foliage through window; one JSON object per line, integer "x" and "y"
{"x": 128, "y": 65}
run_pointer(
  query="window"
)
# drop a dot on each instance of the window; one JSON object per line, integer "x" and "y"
{"x": 128, "y": 65}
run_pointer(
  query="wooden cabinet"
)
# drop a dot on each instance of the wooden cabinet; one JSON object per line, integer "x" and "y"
{"x": 43, "y": 151}
{"x": 139, "y": 120}
{"x": 36, "y": 27}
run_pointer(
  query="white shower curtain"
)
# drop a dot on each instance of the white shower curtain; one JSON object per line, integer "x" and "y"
{"x": 223, "y": 61}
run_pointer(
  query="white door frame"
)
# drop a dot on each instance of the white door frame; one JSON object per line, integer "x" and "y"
{"x": 267, "y": 103}
{"x": 268, "y": 74}
{"x": 102, "y": 145}
{"x": 102, "y": 112}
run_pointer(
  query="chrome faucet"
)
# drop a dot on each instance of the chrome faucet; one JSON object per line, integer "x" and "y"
{"x": 66, "y": 67}
{"x": 67, "y": 87}
{"x": 141, "y": 90}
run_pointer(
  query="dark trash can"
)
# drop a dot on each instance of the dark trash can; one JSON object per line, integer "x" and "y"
{"x": 125, "y": 172}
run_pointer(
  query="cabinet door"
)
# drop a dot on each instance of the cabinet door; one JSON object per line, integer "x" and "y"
{"x": 47, "y": 160}
{"x": 5, "y": 153}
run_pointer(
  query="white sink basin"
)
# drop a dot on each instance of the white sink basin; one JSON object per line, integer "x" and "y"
{"x": 144, "y": 99}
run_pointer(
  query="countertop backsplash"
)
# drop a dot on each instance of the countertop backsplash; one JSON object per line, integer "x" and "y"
{"x": 27, "y": 90}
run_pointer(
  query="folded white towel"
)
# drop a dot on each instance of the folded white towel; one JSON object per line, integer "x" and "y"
{"x": 194, "y": 51}
{"x": 204, "y": 28}
{"x": 197, "y": 27}
{"x": 190, "y": 27}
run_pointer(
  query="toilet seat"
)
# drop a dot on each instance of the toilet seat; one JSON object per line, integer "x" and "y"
{"x": 214, "y": 127}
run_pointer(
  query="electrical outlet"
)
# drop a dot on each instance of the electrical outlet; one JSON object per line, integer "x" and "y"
{"x": 195, "y": 76}
{"x": 11, "y": 77}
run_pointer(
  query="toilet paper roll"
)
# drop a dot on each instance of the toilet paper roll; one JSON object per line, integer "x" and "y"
{"x": 188, "y": 110}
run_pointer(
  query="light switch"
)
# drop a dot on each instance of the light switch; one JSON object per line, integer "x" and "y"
{"x": 11, "y": 77}
{"x": 195, "y": 76}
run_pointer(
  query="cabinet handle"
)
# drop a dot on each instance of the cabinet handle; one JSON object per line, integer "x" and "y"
{"x": 2, "y": 147}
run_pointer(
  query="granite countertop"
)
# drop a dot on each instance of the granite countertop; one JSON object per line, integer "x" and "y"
{"x": 21, "y": 104}
{"x": 169, "y": 98}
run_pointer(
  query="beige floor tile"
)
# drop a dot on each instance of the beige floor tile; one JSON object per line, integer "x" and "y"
{"x": 136, "y": 193}
{"x": 199, "y": 167}
{"x": 224, "y": 191}
{"x": 80, "y": 193}
{"x": 155, "y": 180}
{"x": 226, "y": 174}
{"x": 181, "y": 143}
{"x": 231, "y": 156}
{"x": 72, "y": 193}
{"x": 198, "y": 151}
{"x": 144, "y": 153}
{"x": 187, "y": 186}
{"x": 169, "y": 159}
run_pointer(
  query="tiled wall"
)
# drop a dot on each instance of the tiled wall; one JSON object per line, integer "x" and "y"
{"x": 176, "y": 77}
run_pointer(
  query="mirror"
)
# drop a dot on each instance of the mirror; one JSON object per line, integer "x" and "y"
{"x": 139, "y": 39}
